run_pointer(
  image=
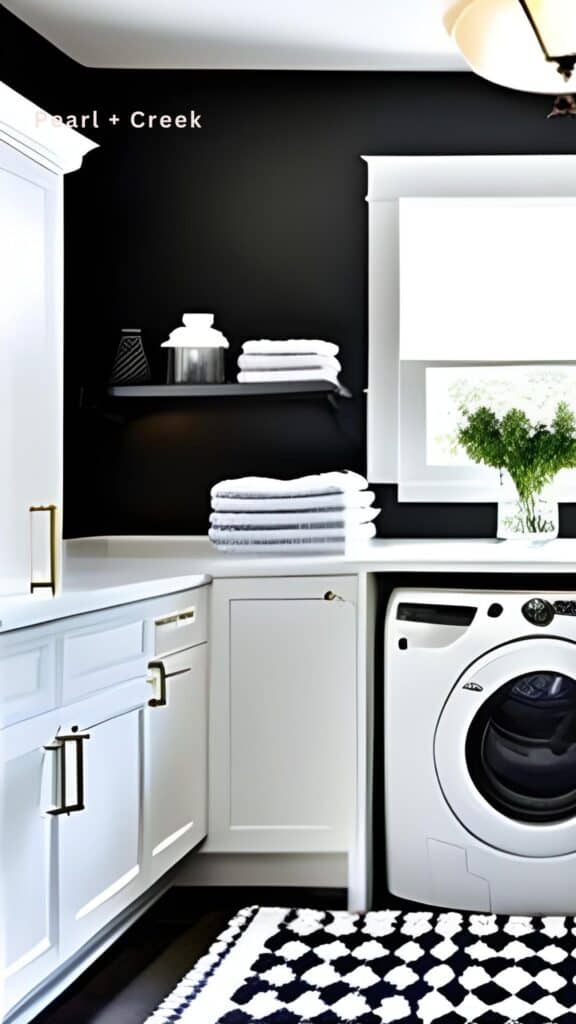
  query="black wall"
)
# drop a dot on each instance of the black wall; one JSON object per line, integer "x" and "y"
{"x": 260, "y": 217}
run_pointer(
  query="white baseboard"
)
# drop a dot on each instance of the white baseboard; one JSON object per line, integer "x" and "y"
{"x": 316, "y": 870}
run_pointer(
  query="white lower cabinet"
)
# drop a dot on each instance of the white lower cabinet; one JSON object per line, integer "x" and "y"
{"x": 100, "y": 846}
{"x": 176, "y": 760}
{"x": 100, "y": 796}
{"x": 71, "y": 829}
{"x": 282, "y": 715}
{"x": 28, "y": 835}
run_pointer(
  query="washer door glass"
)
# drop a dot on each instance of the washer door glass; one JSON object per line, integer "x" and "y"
{"x": 521, "y": 748}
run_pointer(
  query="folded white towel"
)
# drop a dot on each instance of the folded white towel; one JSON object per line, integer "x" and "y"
{"x": 329, "y": 518}
{"x": 307, "y": 547}
{"x": 299, "y": 346}
{"x": 284, "y": 547}
{"x": 346, "y": 533}
{"x": 337, "y": 482}
{"x": 275, "y": 376}
{"x": 315, "y": 503}
{"x": 331, "y": 540}
{"x": 293, "y": 362}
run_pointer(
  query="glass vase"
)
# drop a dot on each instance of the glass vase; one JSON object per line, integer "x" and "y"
{"x": 535, "y": 519}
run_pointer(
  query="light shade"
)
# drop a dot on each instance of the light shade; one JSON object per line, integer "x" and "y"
{"x": 507, "y": 41}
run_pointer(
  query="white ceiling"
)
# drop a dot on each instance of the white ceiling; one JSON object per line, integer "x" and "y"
{"x": 305, "y": 34}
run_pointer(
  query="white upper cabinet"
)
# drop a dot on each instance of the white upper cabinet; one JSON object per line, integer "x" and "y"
{"x": 34, "y": 154}
{"x": 30, "y": 355}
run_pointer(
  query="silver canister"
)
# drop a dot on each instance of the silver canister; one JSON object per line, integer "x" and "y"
{"x": 196, "y": 351}
{"x": 198, "y": 365}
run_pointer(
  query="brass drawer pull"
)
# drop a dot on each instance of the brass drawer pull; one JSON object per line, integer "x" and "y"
{"x": 331, "y": 596}
{"x": 168, "y": 620}
{"x": 179, "y": 618}
{"x": 59, "y": 746}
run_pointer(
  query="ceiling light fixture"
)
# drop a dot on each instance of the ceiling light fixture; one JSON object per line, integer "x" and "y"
{"x": 522, "y": 44}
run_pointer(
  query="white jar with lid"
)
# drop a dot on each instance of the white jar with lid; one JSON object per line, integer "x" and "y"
{"x": 196, "y": 351}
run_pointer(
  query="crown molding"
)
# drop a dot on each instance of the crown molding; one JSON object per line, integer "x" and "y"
{"x": 32, "y": 131}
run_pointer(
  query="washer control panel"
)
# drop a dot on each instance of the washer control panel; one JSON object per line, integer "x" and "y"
{"x": 540, "y": 612}
{"x": 565, "y": 607}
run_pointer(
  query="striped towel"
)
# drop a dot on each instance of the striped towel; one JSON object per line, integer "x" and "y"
{"x": 327, "y": 519}
{"x": 272, "y": 535}
{"x": 313, "y": 503}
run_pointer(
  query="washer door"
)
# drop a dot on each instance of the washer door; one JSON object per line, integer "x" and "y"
{"x": 505, "y": 748}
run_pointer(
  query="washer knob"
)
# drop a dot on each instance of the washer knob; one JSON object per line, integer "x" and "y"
{"x": 538, "y": 611}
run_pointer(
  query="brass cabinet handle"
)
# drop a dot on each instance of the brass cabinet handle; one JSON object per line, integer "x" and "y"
{"x": 331, "y": 596}
{"x": 158, "y": 666}
{"x": 51, "y": 583}
{"x": 59, "y": 745}
{"x": 178, "y": 618}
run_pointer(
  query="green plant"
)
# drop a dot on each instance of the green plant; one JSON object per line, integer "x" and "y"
{"x": 532, "y": 453}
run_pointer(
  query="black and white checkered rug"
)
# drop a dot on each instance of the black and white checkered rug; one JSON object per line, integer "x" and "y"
{"x": 278, "y": 966}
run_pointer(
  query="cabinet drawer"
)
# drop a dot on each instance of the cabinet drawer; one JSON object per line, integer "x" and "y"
{"x": 183, "y": 628}
{"x": 27, "y": 678}
{"x": 96, "y": 659}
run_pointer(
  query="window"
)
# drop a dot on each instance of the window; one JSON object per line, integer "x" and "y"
{"x": 470, "y": 296}
{"x": 432, "y": 465}
{"x": 480, "y": 279}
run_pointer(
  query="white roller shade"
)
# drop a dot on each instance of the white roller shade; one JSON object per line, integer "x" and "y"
{"x": 487, "y": 279}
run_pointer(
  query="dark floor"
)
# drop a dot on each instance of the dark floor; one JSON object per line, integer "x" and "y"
{"x": 126, "y": 984}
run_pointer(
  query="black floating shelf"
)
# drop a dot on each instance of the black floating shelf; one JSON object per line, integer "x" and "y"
{"x": 318, "y": 387}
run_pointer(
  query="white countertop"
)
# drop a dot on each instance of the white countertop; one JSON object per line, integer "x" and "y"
{"x": 130, "y": 558}
{"x": 27, "y": 610}
{"x": 105, "y": 571}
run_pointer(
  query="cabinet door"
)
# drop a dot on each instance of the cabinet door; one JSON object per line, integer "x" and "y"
{"x": 100, "y": 844}
{"x": 30, "y": 354}
{"x": 282, "y": 715}
{"x": 27, "y": 674}
{"x": 28, "y": 893}
{"x": 176, "y": 762}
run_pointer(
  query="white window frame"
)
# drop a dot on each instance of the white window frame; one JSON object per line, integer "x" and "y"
{"x": 389, "y": 179}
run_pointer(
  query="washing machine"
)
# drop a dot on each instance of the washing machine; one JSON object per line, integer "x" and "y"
{"x": 480, "y": 750}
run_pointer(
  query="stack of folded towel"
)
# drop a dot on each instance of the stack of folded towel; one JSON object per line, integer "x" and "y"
{"x": 310, "y": 514}
{"x": 265, "y": 362}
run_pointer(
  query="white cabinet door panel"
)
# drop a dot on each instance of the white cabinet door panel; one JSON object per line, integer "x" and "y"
{"x": 97, "y": 658}
{"x": 176, "y": 762}
{"x": 27, "y": 854}
{"x": 282, "y": 714}
{"x": 100, "y": 846}
{"x": 27, "y": 674}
